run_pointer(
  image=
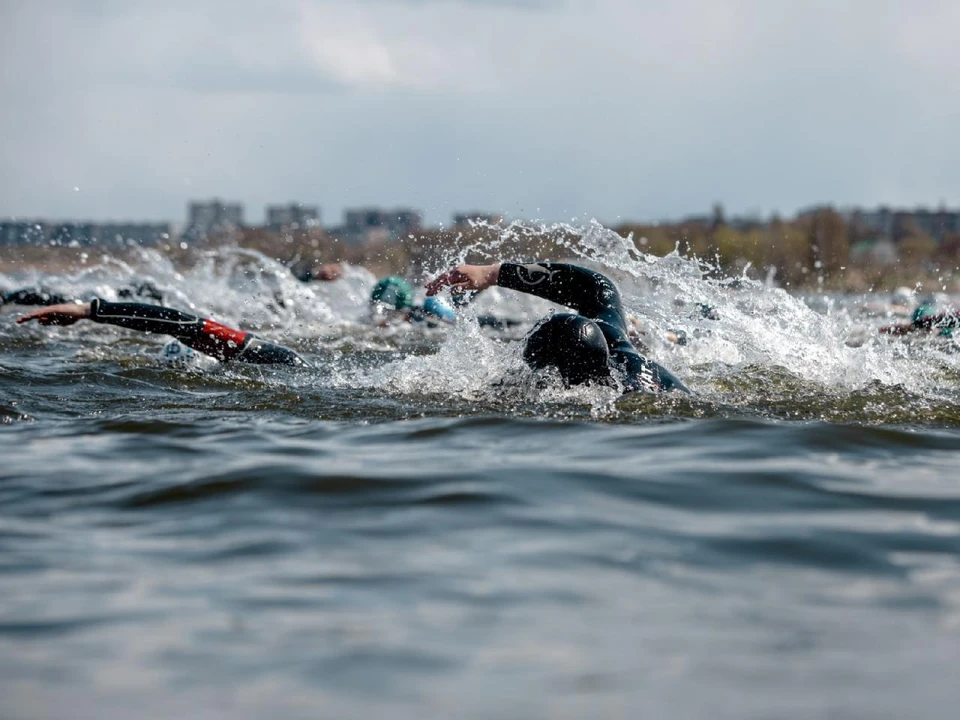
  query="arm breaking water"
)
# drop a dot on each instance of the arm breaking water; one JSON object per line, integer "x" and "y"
{"x": 590, "y": 293}
{"x": 203, "y": 335}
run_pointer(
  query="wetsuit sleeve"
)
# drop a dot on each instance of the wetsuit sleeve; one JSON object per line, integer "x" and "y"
{"x": 590, "y": 293}
{"x": 201, "y": 334}
{"x": 642, "y": 374}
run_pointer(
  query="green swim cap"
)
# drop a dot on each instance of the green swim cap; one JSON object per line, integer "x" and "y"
{"x": 922, "y": 311}
{"x": 393, "y": 291}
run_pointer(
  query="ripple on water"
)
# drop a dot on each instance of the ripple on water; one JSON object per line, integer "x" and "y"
{"x": 391, "y": 537}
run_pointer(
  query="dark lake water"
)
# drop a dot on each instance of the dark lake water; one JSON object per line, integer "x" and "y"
{"x": 414, "y": 530}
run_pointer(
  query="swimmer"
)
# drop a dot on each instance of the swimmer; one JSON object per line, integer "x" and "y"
{"x": 44, "y": 296}
{"x": 591, "y": 345}
{"x": 203, "y": 335}
{"x": 926, "y": 318}
{"x": 324, "y": 272}
{"x": 33, "y": 296}
{"x": 392, "y": 298}
{"x": 391, "y": 293}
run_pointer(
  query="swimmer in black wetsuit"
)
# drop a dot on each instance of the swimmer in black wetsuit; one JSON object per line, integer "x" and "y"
{"x": 945, "y": 323}
{"x": 592, "y": 346}
{"x": 203, "y": 335}
{"x": 39, "y": 295}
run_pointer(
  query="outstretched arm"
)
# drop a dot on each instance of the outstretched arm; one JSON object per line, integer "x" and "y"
{"x": 464, "y": 278}
{"x": 588, "y": 292}
{"x": 63, "y": 314}
{"x": 201, "y": 334}
{"x": 188, "y": 329}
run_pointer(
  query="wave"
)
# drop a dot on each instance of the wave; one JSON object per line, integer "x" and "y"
{"x": 760, "y": 350}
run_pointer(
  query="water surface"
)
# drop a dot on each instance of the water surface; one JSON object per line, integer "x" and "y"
{"x": 416, "y": 528}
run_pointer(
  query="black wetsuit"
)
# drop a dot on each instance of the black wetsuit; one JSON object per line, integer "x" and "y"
{"x": 201, "y": 334}
{"x": 45, "y": 297}
{"x": 594, "y": 296}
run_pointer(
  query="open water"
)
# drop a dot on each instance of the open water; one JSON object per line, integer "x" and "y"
{"x": 416, "y": 528}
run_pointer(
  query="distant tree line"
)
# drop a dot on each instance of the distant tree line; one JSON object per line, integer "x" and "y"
{"x": 819, "y": 249}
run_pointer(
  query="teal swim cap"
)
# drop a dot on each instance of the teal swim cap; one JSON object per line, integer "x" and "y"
{"x": 438, "y": 308}
{"x": 922, "y": 311}
{"x": 393, "y": 291}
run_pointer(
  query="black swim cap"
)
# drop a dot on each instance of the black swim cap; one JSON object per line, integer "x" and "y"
{"x": 572, "y": 344}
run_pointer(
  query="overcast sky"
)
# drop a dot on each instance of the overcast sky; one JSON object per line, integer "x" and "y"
{"x": 548, "y": 109}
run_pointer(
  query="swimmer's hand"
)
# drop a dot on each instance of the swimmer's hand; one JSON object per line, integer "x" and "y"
{"x": 64, "y": 314}
{"x": 466, "y": 277}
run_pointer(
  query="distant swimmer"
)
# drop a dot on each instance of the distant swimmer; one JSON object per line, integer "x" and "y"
{"x": 392, "y": 293}
{"x": 323, "y": 272}
{"x": 200, "y": 334}
{"x": 926, "y": 317}
{"x": 38, "y": 295}
{"x": 392, "y": 299}
{"x": 591, "y": 345}
{"x": 639, "y": 333}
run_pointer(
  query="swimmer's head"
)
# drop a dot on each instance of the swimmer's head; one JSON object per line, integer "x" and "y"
{"x": 572, "y": 344}
{"x": 439, "y": 309}
{"x": 145, "y": 290}
{"x": 927, "y": 308}
{"x": 393, "y": 291}
{"x": 707, "y": 312}
{"x": 176, "y": 353}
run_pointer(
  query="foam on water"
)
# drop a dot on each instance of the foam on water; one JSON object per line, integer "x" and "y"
{"x": 766, "y": 342}
{"x": 419, "y": 526}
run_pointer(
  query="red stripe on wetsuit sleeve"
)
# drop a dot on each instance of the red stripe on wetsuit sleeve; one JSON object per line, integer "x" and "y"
{"x": 224, "y": 333}
{"x": 227, "y": 341}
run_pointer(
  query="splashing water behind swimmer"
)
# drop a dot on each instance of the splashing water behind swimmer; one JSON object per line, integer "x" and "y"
{"x": 764, "y": 340}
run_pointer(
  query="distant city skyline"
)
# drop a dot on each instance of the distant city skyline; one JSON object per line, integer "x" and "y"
{"x": 555, "y": 110}
{"x": 218, "y": 213}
